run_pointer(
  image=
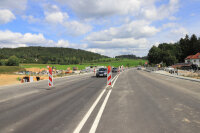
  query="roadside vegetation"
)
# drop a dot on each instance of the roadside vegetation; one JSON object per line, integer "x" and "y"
{"x": 112, "y": 61}
{"x": 171, "y": 53}
{"x": 10, "y": 69}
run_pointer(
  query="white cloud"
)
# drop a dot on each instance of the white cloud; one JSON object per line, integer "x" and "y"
{"x": 31, "y": 19}
{"x": 15, "y": 39}
{"x": 8, "y": 38}
{"x": 62, "y": 43}
{"x": 139, "y": 8}
{"x": 6, "y": 16}
{"x": 102, "y": 8}
{"x": 76, "y": 28}
{"x": 16, "y": 5}
{"x": 169, "y": 25}
{"x": 152, "y": 13}
{"x": 120, "y": 43}
{"x": 179, "y": 31}
{"x": 119, "y": 51}
{"x": 135, "y": 29}
{"x": 56, "y": 17}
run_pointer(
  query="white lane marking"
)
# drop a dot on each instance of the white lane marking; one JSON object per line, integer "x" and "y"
{"x": 81, "y": 124}
{"x": 18, "y": 96}
{"x": 87, "y": 115}
{"x": 115, "y": 81}
{"x": 98, "y": 117}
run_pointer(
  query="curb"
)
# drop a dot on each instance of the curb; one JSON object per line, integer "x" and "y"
{"x": 180, "y": 77}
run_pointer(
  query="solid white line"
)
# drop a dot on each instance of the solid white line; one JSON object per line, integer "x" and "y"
{"x": 87, "y": 115}
{"x": 81, "y": 124}
{"x": 18, "y": 96}
{"x": 115, "y": 81}
{"x": 98, "y": 117}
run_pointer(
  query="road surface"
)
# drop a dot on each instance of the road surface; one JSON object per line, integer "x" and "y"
{"x": 139, "y": 102}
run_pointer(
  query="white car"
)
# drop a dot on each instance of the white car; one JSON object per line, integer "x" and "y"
{"x": 169, "y": 69}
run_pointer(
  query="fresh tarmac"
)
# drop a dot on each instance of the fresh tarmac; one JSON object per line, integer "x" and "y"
{"x": 139, "y": 102}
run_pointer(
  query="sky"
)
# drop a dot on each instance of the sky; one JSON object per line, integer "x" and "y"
{"x": 108, "y": 27}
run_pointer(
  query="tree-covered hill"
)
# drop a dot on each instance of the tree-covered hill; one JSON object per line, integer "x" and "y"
{"x": 50, "y": 55}
{"x": 130, "y": 56}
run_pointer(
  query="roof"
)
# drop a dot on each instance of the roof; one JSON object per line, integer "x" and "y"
{"x": 196, "y": 56}
{"x": 179, "y": 65}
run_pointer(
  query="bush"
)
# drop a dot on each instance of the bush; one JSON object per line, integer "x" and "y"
{"x": 1, "y": 63}
{"x": 13, "y": 61}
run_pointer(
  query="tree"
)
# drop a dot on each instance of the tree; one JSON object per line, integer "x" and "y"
{"x": 168, "y": 58}
{"x": 1, "y": 62}
{"x": 13, "y": 61}
{"x": 154, "y": 55}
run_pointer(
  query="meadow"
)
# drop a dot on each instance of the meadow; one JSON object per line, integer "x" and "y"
{"x": 114, "y": 63}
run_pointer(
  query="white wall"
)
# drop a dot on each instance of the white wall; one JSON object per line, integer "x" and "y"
{"x": 196, "y": 61}
{"x": 193, "y": 61}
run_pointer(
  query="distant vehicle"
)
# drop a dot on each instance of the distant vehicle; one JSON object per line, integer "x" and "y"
{"x": 168, "y": 69}
{"x": 114, "y": 69}
{"x": 139, "y": 68}
{"x": 102, "y": 72}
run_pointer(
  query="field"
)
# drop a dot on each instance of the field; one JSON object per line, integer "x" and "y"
{"x": 124, "y": 62}
{"x": 10, "y": 69}
{"x": 114, "y": 63}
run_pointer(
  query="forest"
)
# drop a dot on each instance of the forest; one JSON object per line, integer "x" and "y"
{"x": 130, "y": 56}
{"x": 46, "y": 55}
{"x": 171, "y": 53}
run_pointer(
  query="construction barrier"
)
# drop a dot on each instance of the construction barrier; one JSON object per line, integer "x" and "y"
{"x": 50, "y": 77}
{"x": 119, "y": 70}
{"x": 94, "y": 72}
{"x": 109, "y": 75}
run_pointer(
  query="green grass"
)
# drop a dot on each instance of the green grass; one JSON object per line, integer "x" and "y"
{"x": 10, "y": 69}
{"x": 114, "y": 63}
{"x": 58, "y": 67}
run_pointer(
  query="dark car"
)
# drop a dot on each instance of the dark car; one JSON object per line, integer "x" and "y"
{"x": 114, "y": 69}
{"x": 102, "y": 72}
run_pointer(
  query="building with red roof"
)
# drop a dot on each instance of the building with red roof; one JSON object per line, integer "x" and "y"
{"x": 194, "y": 59}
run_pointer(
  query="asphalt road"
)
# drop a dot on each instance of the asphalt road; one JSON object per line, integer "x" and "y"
{"x": 139, "y": 102}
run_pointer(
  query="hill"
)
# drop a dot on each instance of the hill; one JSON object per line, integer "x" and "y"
{"x": 130, "y": 56}
{"x": 50, "y": 55}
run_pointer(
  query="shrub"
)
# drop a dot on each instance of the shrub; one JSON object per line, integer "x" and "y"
{"x": 13, "y": 61}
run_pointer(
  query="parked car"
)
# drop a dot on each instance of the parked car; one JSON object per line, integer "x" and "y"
{"x": 139, "y": 68}
{"x": 102, "y": 72}
{"x": 114, "y": 69}
{"x": 168, "y": 69}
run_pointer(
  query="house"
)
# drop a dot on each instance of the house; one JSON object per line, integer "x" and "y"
{"x": 194, "y": 59}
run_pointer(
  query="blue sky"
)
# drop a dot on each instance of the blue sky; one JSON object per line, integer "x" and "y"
{"x": 108, "y": 27}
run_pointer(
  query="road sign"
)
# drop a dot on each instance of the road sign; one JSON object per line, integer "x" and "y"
{"x": 109, "y": 75}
